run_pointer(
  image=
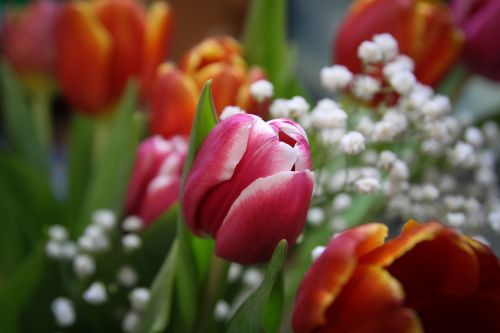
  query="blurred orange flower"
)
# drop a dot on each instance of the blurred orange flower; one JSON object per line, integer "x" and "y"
{"x": 430, "y": 279}
{"x": 101, "y": 45}
{"x": 219, "y": 59}
{"x": 424, "y": 30}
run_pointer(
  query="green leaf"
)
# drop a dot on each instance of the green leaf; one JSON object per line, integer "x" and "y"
{"x": 204, "y": 120}
{"x": 18, "y": 122}
{"x": 114, "y": 153}
{"x": 80, "y": 157}
{"x": 194, "y": 253}
{"x": 18, "y": 289}
{"x": 265, "y": 44}
{"x": 261, "y": 312}
{"x": 158, "y": 310}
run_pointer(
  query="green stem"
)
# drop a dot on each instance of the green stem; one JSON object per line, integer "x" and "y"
{"x": 211, "y": 291}
{"x": 101, "y": 134}
{"x": 43, "y": 120}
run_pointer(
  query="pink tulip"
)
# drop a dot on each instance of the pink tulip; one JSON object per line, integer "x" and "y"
{"x": 250, "y": 187}
{"x": 155, "y": 183}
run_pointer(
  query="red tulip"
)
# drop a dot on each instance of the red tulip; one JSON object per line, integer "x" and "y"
{"x": 429, "y": 279}
{"x": 101, "y": 45}
{"x": 221, "y": 60}
{"x": 424, "y": 30}
{"x": 156, "y": 177}
{"x": 479, "y": 20}
{"x": 249, "y": 187}
{"x": 173, "y": 102}
{"x": 28, "y": 39}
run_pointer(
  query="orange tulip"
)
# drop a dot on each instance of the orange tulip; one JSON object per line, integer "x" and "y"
{"x": 221, "y": 60}
{"x": 28, "y": 40}
{"x": 102, "y": 44}
{"x": 173, "y": 102}
{"x": 429, "y": 279}
{"x": 424, "y": 30}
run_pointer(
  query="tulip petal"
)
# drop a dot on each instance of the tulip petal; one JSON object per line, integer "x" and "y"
{"x": 125, "y": 22}
{"x": 161, "y": 194}
{"x": 432, "y": 266}
{"x": 148, "y": 161}
{"x": 158, "y": 35}
{"x": 83, "y": 49}
{"x": 411, "y": 235}
{"x": 370, "y": 302}
{"x": 252, "y": 228}
{"x": 215, "y": 163}
{"x": 330, "y": 272}
{"x": 173, "y": 102}
{"x": 292, "y": 133}
{"x": 265, "y": 155}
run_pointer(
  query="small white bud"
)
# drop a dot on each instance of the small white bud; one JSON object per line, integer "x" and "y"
{"x": 367, "y": 185}
{"x": 399, "y": 171}
{"x": 456, "y": 220}
{"x": 386, "y": 159}
{"x": 222, "y": 310}
{"x": 83, "y": 266}
{"x": 365, "y": 87}
{"x": 387, "y": 44}
{"x": 230, "y": 111}
{"x": 342, "y": 202}
{"x": 132, "y": 223}
{"x": 403, "y": 82}
{"x": 53, "y": 249}
{"x": 400, "y": 64}
{"x": 261, "y": 90}
{"x": 315, "y": 215}
{"x": 474, "y": 136}
{"x": 104, "y": 218}
{"x": 279, "y": 108}
{"x": 430, "y": 192}
{"x": 139, "y": 298}
{"x": 352, "y": 143}
{"x": 252, "y": 277}
{"x": 297, "y": 106}
{"x": 58, "y": 233}
{"x": 96, "y": 294}
{"x": 64, "y": 312}
{"x": 127, "y": 276}
{"x": 68, "y": 250}
{"x": 131, "y": 242}
{"x": 317, "y": 252}
{"x": 369, "y": 52}
{"x": 131, "y": 322}
{"x": 336, "y": 77}
{"x": 234, "y": 272}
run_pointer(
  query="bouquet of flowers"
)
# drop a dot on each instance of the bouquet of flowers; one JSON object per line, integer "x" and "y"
{"x": 214, "y": 194}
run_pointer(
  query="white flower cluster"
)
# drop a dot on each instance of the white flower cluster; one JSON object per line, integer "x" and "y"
{"x": 405, "y": 144}
{"x": 97, "y": 239}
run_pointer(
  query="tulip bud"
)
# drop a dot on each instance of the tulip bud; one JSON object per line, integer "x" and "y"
{"x": 479, "y": 20}
{"x": 101, "y": 45}
{"x": 220, "y": 59}
{"x": 415, "y": 282}
{"x": 173, "y": 102}
{"x": 28, "y": 40}
{"x": 249, "y": 187}
{"x": 155, "y": 182}
{"x": 423, "y": 29}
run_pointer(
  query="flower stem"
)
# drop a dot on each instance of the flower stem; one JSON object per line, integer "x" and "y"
{"x": 212, "y": 289}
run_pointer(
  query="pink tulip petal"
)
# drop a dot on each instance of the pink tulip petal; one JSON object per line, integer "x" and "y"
{"x": 215, "y": 163}
{"x": 149, "y": 159}
{"x": 265, "y": 156}
{"x": 161, "y": 194}
{"x": 269, "y": 210}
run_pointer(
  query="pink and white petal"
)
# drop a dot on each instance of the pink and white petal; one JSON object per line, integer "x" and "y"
{"x": 288, "y": 126}
{"x": 269, "y": 210}
{"x": 149, "y": 159}
{"x": 161, "y": 194}
{"x": 265, "y": 156}
{"x": 215, "y": 163}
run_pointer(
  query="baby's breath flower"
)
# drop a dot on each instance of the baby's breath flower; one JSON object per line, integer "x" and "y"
{"x": 230, "y": 111}
{"x": 335, "y": 78}
{"x": 261, "y": 90}
{"x": 352, "y": 143}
